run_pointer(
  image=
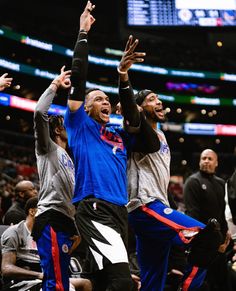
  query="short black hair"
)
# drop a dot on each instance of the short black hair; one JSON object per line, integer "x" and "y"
{"x": 91, "y": 90}
{"x": 141, "y": 95}
{"x": 31, "y": 203}
{"x": 54, "y": 122}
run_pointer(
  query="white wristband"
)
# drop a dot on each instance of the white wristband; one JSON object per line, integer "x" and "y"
{"x": 121, "y": 72}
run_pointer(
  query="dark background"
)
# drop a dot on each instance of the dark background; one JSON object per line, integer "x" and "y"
{"x": 194, "y": 48}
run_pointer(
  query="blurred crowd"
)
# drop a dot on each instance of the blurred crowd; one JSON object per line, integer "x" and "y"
{"x": 16, "y": 164}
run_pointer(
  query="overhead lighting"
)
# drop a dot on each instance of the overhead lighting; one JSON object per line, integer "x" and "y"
{"x": 219, "y": 43}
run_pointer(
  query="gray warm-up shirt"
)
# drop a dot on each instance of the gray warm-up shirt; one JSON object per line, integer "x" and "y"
{"x": 149, "y": 175}
{"x": 55, "y": 167}
{"x": 17, "y": 239}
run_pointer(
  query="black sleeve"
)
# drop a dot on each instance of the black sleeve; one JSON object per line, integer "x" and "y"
{"x": 128, "y": 105}
{"x": 146, "y": 140}
{"x": 79, "y": 68}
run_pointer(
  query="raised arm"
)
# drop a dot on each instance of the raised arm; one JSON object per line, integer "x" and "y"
{"x": 41, "y": 125}
{"x": 135, "y": 122}
{"x": 129, "y": 107}
{"x": 5, "y": 82}
{"x": 80, "y": 60}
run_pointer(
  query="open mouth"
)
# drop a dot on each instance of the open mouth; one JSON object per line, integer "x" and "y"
{"x": 159, "y": 110}
{"x": 105, "y": 111}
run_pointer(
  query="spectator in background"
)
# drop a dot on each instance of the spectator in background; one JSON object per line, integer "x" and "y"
{"x": 16, "y": 213}
{"x": 6, "y": 195}
{"x": 5, "y": 82}
{"x": 204, "y": 194}
{"x": 26, "y": 170}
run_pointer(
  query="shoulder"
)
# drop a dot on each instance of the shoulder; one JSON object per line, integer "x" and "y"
{"x": 70, "y": 112}
{"x": 161, "y": 136}
{"x": 220, "y": 180}
{"x": 15, "y": 211}
{"x": 72, "y": 117}
{"x": 10, "y": 234}
{"x": 193, "y": 177}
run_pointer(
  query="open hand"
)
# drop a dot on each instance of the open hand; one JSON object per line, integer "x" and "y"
{"x": 130, "y": 56}
{"x": 86, "y": 19}
{"x": 63, "y": 80}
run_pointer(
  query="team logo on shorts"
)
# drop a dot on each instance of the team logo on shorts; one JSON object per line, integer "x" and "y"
{"x": 65, "y": 248}
{"x": 168, "y": 210}
{"x": 95, "y": 206}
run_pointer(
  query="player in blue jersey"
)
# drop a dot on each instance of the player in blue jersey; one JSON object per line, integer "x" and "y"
{"x": 100, "y": 172}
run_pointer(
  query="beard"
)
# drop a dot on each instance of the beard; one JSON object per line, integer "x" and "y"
{"x": 153, "y": 116}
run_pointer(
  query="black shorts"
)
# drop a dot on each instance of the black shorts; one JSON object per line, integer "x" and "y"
{"x": 104, "y": 229}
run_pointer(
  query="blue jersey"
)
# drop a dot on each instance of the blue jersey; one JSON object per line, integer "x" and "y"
{"x": 100, "y": 158}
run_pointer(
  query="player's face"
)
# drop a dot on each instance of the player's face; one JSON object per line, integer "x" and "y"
{"x": 98, "y": 106}
{"x": 61, "y": 131}
{"x": 28, "y": 190}
{"x": 63, "y": 134}
{"x": 153, "y": 107}
{"x": 208, "y": 162}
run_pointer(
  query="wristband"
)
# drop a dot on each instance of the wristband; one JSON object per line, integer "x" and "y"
{"x": 83, "y": 31}
{"x": 121, "y": 72}
{"x": 55, "y": 84}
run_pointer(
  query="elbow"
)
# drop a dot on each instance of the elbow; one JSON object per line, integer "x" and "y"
{"x": 7, "y": 271}
{"x": 38, "y": 113}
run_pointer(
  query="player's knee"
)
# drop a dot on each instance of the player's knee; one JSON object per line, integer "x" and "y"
{"x": 204, "y": 247}
{"x": 124, "y": 284}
